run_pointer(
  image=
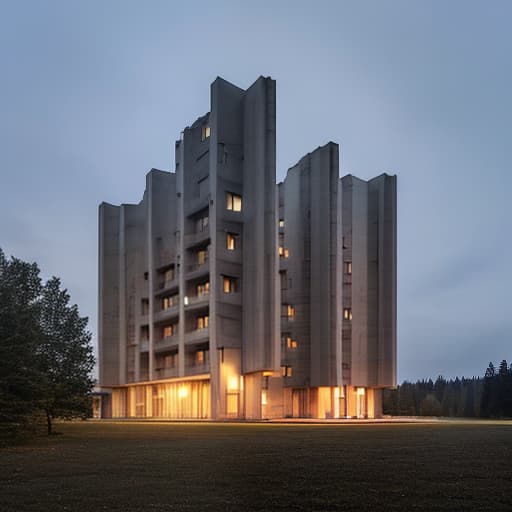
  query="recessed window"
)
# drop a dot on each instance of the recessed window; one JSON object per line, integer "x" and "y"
{"x": 348, "y": 267}
{"x": 146, "y": 276}
{"x": 169, "y": 275}
{"x": 144, "y": 333}
{"x": 202, "y": 256}
{"x": 228, "y": 284}
{"x": 347, "y": 314}
{"x": 287, "y": 311}
{"x": 230, "y": 242}
{"x": 292, "y": 344}
{"x": 203, "y": 288}
{"x": 286, "y": 371}
{"x": 170, "y": 330}
{"x": 281, "y": 223}
{"x": 202, "y": 322}
{"x": 144, "y": 306}
{"x": 205, "y": 132}
{"x": 233, "y": 202}
{"x": 283, "y": 252}
{"x": 169, "y": 301}
{"x": 200, "y": 357}
{"x": 202, "y": 224}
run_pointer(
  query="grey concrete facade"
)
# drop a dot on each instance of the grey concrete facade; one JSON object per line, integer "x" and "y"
{"x": 224, "y": 295}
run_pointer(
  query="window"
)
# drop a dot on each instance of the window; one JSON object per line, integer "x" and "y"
{"x": 171, "y": 300}
{"x": 291, "y": 343}
{"x": 286, "y": 371}
{"x": 146, "y": 276}
{"x": 283, "y": 279}
{"x": 200, "y": 357}
{"x": 233, "y": 202}
{"x": 228, "y": 284}
{"x": 203, "y": 289}
{"x": 281, "y": 223}
{"x": 347, "y": 314}
{"x": 283, "y": 253}
{"x": 170, "y": 330}
{"x": 144, "y": 309}
{"x": 348, "y": 267}
{"x": 202, "y": 256}
{"x": 287, "y": 311}
{"x": 230, "y": 242}
{"x": 144, "y": 333}
{"x": 202, "y": 224}
{"x": 205, "y": 132}
{"x": 202, "y": 322}
{"x": 169, "y": 275}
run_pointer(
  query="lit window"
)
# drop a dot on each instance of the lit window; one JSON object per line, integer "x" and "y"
{"x": 286, "y": 253}
{"x": 202, "y": 322}
{"x": 263, "y": 397}
{"x": 281, "y": 223}
{"x": 200, "y": 357}
{"x": 280, "y": 250}
{"x": 169, "y": 331}
{"x": 168, "y": 302}
{"x": 287, "y": 311}
{"x": 233, "y": 202}
{"x": 291, "y": 343}
{"x": 202, "y": 256}
{"x": 229, "y": 284}
{"x": 203, "y": 288}
{"x": 348, "y": 267}
{"x": 347, "y": 314}
{"x": 286, "y": 371}
{"x": 230, "y": 242}
{"x": 205, "y": 132}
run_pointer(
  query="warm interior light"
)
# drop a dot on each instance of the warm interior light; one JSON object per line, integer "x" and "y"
{"x": 263, "y": 397}
{"x": 182, "y": 392}
{"x": 233, "y": 383}
{"x": 360, "y": 391}
{"x": 267, "y": 373}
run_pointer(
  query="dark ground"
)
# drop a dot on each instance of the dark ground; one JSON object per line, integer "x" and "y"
{"x": 206, "y": 466}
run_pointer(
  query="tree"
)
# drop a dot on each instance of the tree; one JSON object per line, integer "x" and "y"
{"x": 430, "y": 406}
{"x": 20, "y": 288}
{"x": 64, "y": 355}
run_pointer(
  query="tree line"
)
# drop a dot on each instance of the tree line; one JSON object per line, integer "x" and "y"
{"x": 46, "y": 355}
{"x": 477, "y": 397}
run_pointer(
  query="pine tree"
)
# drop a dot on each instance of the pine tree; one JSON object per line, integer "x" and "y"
{"x": 64, "y": 356}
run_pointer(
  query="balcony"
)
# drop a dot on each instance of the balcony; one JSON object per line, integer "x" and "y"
{"x": 166, "y": 373}
{"x": 197, "y": 238}
{"x": 197, "y": 335}
{"x": 198, "y": 269}
{"x": 197, "y": 300}
{"x": 197, "y": 369}
{"x": 165, "y": 314}
{"x": 166, "y": 343}
{"x": 165, "y": 286}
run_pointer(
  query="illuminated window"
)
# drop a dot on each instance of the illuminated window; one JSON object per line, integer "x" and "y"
{"x": 347, "y": 314}
{"x": 229, "y": 284}
{"x": 281, "y": 223}
{"x": 202, "y": 256}
{"x": 286, "y": 371}
{"x": 348, "y": 267}
{"x": 233, "y": 202}
{"x": 171, "y": 300}
{"x": 292, "y": 344}
{"x": 202, "y": 322}
{"x": 205, "y": 132}
{"x": 200, "y": 357}
{"x": 287, "y": 311}
{"x": 230, "y": 242}
{"x": 280, "y": 250}
{"x": 263, "y": 397}
{"x": 203, "y": 289}
{"x": 170, "y": 330}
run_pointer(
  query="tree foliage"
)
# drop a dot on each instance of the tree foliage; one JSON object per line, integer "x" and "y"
{"x": 490, "y": 396}
{"x": 45, "y": 352}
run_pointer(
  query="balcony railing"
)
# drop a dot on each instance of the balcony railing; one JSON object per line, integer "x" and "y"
{"x": 197, "y": 335}
{"x": 196, "y": 369}
{"x": 166, "y": 373}
{"x": 166, "y": 343}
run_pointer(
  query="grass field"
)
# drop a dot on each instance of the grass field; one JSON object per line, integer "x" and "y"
{"x": 206, "y": 466}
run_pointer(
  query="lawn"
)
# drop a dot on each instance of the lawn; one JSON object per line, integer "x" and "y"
{"x": 210, "y": 466}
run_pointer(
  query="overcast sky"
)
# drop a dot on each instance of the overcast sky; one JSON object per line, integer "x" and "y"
{"x": 93, "y": 94}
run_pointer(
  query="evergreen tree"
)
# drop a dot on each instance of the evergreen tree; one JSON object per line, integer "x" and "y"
{"x": 64, "y": 355}
{"x": 20, "y": 288}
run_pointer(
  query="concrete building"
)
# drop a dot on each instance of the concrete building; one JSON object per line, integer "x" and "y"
{"x": 223, "y": 295}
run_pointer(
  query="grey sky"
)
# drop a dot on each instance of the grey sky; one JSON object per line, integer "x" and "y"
{"x": 94, "y": 93}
